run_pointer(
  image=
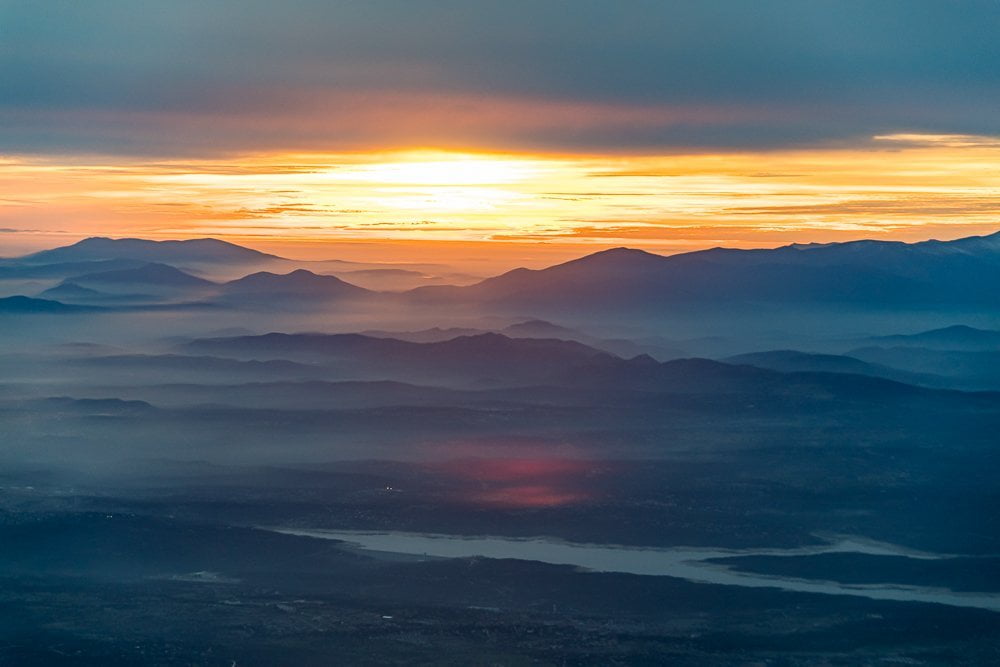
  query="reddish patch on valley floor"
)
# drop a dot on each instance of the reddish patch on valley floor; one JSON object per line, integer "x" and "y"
{"x": 522, "y": 482}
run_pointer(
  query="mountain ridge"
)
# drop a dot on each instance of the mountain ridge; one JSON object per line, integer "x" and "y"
{"x": 206, "y": 249}
{"x": 864, "y": 272}
{"x": 300, "y": 283}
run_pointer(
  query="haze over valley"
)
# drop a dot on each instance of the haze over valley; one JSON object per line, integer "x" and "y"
{"x": 499, "y": 333}
{"x": 759, "y": 406}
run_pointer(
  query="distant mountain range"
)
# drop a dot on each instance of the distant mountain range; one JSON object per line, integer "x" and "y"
{"x": 958, "y": 337}
{"x": 862, "y": 274}
{"x": 218, "y": 259}
{"x": 494, "y": 360}
{"x": 20, "y": 269}
{"x": 535, "y": 328}
{"x": 792, "y": 361}
{"x": 192, "y": 251}
{"x": 170, "y": 367}
{"x": 25, "y": 305}
{"x": 297, "y": 285}
{"x": 153, "y": 273}
{"x": 482, "y": 360}
{"x": 153, "y": 282}
{"x": 969, "y": 369}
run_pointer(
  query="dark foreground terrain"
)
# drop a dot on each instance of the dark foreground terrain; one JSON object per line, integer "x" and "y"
{"x": 803, "y": 477}
{"x": 97, "y": 589}
{"x": 175, "y": 572}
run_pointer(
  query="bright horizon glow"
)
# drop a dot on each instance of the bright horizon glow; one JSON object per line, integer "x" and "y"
{"x": 899, "y": 186}
{"x": 442, "y": 169}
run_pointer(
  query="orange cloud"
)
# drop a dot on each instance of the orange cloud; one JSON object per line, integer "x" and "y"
{"x": 399, "y": 199}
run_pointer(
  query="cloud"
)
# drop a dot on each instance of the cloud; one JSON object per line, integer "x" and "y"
{"x": 17, "y": 230}
{"x": 373, "y": 120}
{"x": 189, "y": 77}
{"x": 939, "y": 204}
{"x": 939, "y": 140}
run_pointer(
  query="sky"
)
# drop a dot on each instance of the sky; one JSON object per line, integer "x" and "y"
{"x": 525, "y": 128}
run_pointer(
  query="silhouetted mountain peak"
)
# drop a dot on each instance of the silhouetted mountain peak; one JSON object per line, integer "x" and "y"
{"x": 641, "y": 360}
{"x": 202, "y": 244}
{"x": 989, "y": 243}
{"x": 205, "y": 250}
{"x": 301, "y": 283}
{"x": 959, "y": 329}
{"x": 153, "y": 273}
{"x": 698, "y": 365}
{"x": 539, "y": 328}
{"x": 620, "y": 252}
{"x": 497, "y": 342}
{"x": 614, "y": 257}
{"x": 24, "y": 304}
{"x": 487, "y": 337}
{"x": 70, "y": 290}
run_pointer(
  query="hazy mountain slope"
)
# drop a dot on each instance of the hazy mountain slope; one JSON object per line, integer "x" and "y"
{"x": 863, "y": 273}
{"x": 24, "y": 304}
{"x": 621, "y": 347}
{"x": 72, "y": 292}
{"x": 151, "y": 274}
{"x": 432, "y": 335}
{"x": 483, "y": 359}
{"x": 721, "y": 386}
{"x": 287, "y": 395}
{"x": 957, "y": 337}
{"x": 791, "y": 361}
{"x": 96, "y": 367}
{"x": 495, "y": 360}
{"x": 18, "y": 269}
{"x": 220, "y": 259}
{"x": 297, "y": 285}
{"x": 541, "y": 329}
{"x": 977, "y": 369}
{"x": 167, "y": 361}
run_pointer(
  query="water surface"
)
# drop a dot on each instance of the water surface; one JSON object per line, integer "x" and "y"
{"x": 688, "y": 563}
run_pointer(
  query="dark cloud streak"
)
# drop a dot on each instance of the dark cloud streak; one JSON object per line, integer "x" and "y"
{"x": 181, "y": 77}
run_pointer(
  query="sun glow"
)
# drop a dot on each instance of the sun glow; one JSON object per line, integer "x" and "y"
{"x": 905, "y": 187}
{"x": 454, "y": 170}
{"x": 447, "y": 183}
